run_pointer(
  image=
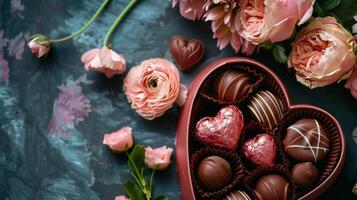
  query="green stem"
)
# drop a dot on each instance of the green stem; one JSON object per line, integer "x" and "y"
{"x": 85, "y": 26}
{"x": 118, "y": 20}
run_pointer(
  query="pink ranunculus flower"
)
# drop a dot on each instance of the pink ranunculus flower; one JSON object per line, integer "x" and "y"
{"x": 39, "y": 45}
{"x": 352, "y": 82}
{"x": 121, "y": 197}
{"x": 153, "y": 86}
{"x": 158, "y": 158}
{"x": 190, "y": 9}
{"x": 105, "y": 61}
{"x": 271, "y": 20}
{"x": 119, "y": 141}
{"x": 322, "y": 53}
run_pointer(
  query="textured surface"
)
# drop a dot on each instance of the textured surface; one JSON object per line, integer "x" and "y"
{"x": 53, "y": 113}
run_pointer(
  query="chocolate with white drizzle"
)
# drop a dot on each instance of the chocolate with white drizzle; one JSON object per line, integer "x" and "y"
{"x": 306, "y": 141}
{"x": 266, "y": 108}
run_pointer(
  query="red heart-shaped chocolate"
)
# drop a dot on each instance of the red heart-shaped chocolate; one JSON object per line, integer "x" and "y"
{"x": 261, "y": 150}
{"x": 187, "y": 53}
{"x": 223, "y": 130}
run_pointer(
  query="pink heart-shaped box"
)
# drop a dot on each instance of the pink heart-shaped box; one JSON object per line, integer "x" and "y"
{"x": 184, "y": 140}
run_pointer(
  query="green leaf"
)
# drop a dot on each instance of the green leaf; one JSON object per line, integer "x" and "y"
{"x": 267, "y": 45}
{"x": 345, "y": 12}
{"x": 133, "y": 191}
{"x": 162, "y": 197}
{"x": 279, "y": 54}
{"x": 137, "y": 157}
{"x": 328, "y": 4}
{"x": 320, "y": 11}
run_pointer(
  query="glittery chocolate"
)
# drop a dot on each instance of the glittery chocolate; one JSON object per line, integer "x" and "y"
{"x": 223, "y": 130}
{"x": 186, "y": 53}
{"x": 266, "y": 108}
{"x": 306, "y": 141}
{"x": 237, "y": 195}
{"x": 231, "y": 86}
{"x": 305, "y": 174}
{"x": 214, "y": 172}
{"x": 272, "y": 187}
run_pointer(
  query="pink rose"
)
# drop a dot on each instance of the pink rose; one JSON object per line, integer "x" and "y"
{"x": 105, "y": 61}
{"x": 153, "y": 86}
{"x": 121, "y": 197}
{"x": 190, "y": 9}
{"x": 271, "y": 20}
{"x": 322, "y": 53}
{"x": 158, "y": 158}
{"x": 39, "y": 45}
{"x": 119, "y": 141}
{"x": 352, "y": 82}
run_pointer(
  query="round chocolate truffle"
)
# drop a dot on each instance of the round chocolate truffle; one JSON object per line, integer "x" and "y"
{"x": 232, "y": 85}
{"x": 272, "y": 187}
{"x": 306, "y": 141}
{"x": 305, "y": 174}
{"x": 214, "y": 173}
{"x": 266, "y": 108}
{"x": 237, "y": 195}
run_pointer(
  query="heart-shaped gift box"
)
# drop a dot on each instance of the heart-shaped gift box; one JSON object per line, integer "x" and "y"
{"x": 201, "y": 102}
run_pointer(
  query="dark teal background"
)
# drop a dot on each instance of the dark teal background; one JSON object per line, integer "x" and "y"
{"x": 35, "y": 164}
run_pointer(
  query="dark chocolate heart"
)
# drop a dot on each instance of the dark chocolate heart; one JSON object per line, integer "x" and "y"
{"x": 187, "y": 53}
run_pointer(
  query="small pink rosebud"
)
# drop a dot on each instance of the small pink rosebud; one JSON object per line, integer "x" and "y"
{"x": 39, "y": 45}
{"x": 119, "y": 141}
{"x": 158, "y": 158}
{"x": 121, "y": 197}
{"x": 105, "y": 61}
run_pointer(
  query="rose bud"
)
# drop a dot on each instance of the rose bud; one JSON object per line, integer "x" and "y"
{"x": 153, "y": 87}
{"x": 105, "y": 61}
{"x": 158, "y": 158}
{"x": 352, "y": 82}
{"x": 40, "y": 45}
{"x": 121, "y": 197}
{"x": 119, "y": 141}
{"x": 190, "y": 9}
{"x": 322, "y": 53}
{"x": 261, "y": 21}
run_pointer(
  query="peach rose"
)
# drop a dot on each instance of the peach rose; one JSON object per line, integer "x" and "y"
{"x": 259, "y": 21}
{"x": 121, "y": 197}
{"x": 105, "y": 61}
{"x": 119, "y": 141}
{"x": 39, "y": 45}
{"x": 158, "y": 158}
{"x": 352, "y": 82}
{"x": 322, "y": 53}
{"x": 153, "y": 86}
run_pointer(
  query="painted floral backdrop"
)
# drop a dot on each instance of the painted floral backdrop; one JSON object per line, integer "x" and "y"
{"x": 53, "y": 113}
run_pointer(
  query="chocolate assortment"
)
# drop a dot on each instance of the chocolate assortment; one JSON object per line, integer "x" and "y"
{"x": 285, "y": 152}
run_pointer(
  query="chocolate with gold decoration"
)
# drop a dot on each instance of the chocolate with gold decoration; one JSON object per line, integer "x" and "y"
{"x": 272, "y": 187}
{"x": 266, "y": 108}
{"x": 306, "y": 141}
{"x": 214, "y": 173}
{"x": 237, "y": 195}
{"x": 232, "y": 85}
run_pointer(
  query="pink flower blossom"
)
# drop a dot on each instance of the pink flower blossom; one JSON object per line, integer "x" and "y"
{"x": 119, "y": 141}
{"x": 259, "y": 21}
{"x": 190, "y": 9}
{"x": 352, "y": 82}
{"x": 158, "y": 158}
{"x": 153, "y": 86}
{"x": 39, "y": 45}
{"x": 121, "y": 197}
{"x": 222, "y": 13}
{"x": 322, "y": 53}
{"x": 105, "y": 61}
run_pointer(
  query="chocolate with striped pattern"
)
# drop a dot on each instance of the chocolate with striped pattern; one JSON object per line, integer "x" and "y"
{"x": 237, "y": 195}
{"x": 266, "y": 108}
{"x": 306, "y": 141}
{"x": 232, "y": 86}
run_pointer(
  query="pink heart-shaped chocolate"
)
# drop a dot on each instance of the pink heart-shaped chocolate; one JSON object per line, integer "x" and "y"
{"x": 261, "y": 150}
{"x": 223, "y": 130}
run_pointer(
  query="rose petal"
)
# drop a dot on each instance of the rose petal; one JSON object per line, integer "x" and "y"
{"x": 182, "y": 97}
